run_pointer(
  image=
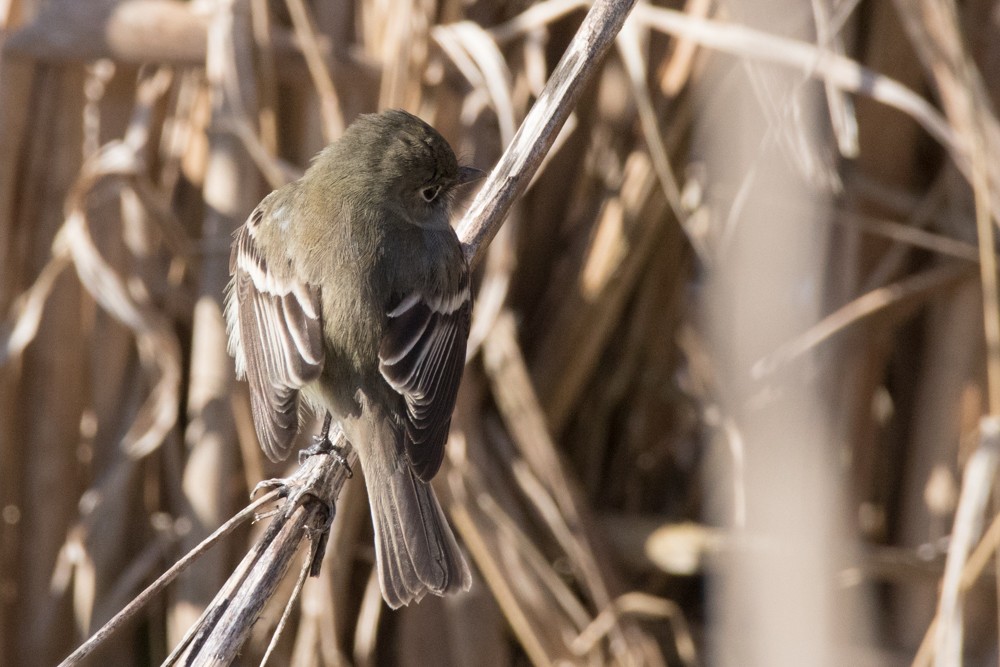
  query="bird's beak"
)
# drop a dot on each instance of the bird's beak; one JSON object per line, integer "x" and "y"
{"x": 469, "y": 174}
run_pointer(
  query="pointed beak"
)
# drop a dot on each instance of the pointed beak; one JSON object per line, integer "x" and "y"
{"x": 469, "y": 174}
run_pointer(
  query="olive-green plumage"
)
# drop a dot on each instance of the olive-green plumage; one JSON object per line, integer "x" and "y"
{"x": 350, "y": 294}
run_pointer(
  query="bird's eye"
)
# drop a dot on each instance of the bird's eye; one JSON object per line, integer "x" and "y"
{"x": 430, "y": 193}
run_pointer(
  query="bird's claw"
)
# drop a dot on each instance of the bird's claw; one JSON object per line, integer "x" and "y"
{"x": 296, "y": 492}
{"x": 310, "y": 483}
{"x": 320, "y": 445}
{"x": 323, "y": 445}
{"x": 279, "y": 484}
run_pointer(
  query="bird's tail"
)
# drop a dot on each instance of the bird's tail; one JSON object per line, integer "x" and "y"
{"x": 415, "y": 549}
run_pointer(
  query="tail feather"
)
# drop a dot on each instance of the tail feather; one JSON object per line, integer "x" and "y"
{"x": 415, "y": 550}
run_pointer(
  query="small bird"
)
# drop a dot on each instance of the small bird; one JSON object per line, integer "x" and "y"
{"x": 350, "y": 295}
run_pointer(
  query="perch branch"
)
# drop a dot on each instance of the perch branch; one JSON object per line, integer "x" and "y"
{"x": 535, "y": 136}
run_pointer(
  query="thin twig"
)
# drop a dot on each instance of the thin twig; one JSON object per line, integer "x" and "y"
{"x": 286, "y": 614}
{"x": 974, "y": 566}
{"x": 154, "y": 589}
{"x": 864, "y": 306}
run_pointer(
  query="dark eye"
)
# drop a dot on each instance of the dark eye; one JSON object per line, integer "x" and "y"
{"x": 430, "y": 193}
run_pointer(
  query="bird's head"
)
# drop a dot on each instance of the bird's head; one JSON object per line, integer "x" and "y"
{"x": 397, "y": 162}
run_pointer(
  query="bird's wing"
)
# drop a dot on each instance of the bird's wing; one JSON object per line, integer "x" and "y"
{"x": 421, "y": 356}
{"x": 275, "y": 335}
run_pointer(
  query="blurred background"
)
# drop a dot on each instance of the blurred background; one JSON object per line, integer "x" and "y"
{"x": 736, "y": 353}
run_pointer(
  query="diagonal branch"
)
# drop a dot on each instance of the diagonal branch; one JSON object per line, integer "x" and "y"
{"x": 538, "y": 131}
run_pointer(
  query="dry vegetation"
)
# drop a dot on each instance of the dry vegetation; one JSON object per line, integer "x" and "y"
{"x": 730, "y": 400}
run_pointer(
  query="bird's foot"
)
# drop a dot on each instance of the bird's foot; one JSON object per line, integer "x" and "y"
{"x": 314, "y": 486}
{"x": 297, "y": 490}
{"x": 323, "y": 445}
{"x": 309, "y": 487}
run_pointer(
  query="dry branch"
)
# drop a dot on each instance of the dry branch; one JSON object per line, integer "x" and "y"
{"x": 534, "y": 138}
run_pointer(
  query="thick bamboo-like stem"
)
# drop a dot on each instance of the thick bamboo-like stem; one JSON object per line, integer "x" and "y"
{"x": 133, "y": 31}
{"x": 230, "y": 193}
{"x": 48, "y": 399}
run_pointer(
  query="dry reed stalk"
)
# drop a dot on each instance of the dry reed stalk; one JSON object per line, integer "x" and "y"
{"x": 933, "y": 26}
{"x": 229, "y": 192}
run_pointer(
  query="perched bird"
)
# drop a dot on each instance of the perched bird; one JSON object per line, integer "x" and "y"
{"x": 350, "y": 295}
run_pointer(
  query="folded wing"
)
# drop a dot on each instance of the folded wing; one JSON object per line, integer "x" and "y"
{"x": 422, "y": 356}
{"x": 275, "y": 335}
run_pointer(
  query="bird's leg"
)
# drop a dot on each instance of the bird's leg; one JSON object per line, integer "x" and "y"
{"x": 294, "y": 488}
{"x": 315, "y": 481}
{"x": 322, "y": 444}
